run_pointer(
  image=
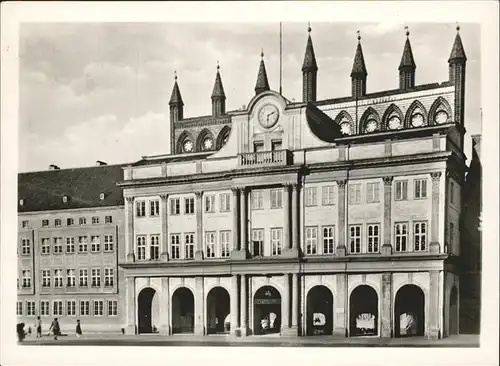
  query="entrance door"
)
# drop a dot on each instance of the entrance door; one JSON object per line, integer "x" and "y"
{"x": 409, "y": 312}
{"x": 218, "y": 307}
{"x": 145, "y": 310}
{"x": 267, "y": 310}
{"x": 183, "y": 311}
{"x": 319, "y": 311}
{"x": 363, "y": 309}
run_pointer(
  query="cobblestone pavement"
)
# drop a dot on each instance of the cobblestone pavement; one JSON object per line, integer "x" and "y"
{"x": 251, "y": 341}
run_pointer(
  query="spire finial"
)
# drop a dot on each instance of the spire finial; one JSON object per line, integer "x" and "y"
{"x": 309, "y": 27}
{"x": 175, "y": 75}
{"x": 359, "y": 35}
{"x": 218, "y": 67}
{"x": 262, "y": 52}
{"x": 407, "y": 31}
{"x": 458, "y": 27}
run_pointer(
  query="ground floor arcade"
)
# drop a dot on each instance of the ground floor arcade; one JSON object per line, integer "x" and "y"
{"x": 368, "y": 304}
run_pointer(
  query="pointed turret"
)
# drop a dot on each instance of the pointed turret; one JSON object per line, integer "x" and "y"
{"x": 218, "y": 96}
{"x": 358, "y": 73}
{"x": 309, "y": 72}
{"x": 407, "y": 66}
{"x": 176, "y": 111}
{"x": 457, "y": 52}
{"x": 262, "y": 82}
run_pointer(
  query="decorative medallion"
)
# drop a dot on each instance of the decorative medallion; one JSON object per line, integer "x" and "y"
{"x": 394, "y": 123}
{"x": 345, "y": 128}
{"x": 417, "y": 120}
{"x": 441, "y": 117}
{"x": 187, "y": 146}
{"x": 371, "y": 126}
{"x": 208, "y": 143}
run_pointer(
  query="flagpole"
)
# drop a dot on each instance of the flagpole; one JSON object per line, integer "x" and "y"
{"x": 281, "y": 62}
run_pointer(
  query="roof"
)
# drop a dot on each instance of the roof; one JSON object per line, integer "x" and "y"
{"x": 457, "y": 52}
{"x": 309, "y": 57}
{"x": 176, "y": 95}
{"x": 44, "y": 190}
{"x": 359, "y": 67}
{"x": 262, "y": 82}
{"x": 407, "y": 58}
{"x": 171, "y": 159}
{"x": 218, "y": 91}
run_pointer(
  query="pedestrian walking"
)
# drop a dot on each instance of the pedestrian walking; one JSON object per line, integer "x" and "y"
{"x": 21, "y": 334}
{"x": 55, "y": 328}
{"x": 38, "y": 327}
{"x": 78, "y": 328}
{"x": 29, "y": 330}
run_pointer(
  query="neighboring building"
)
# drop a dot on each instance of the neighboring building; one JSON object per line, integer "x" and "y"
{"x": 70, "y": 228}
{"x": 471, "y": 245}
{"x": 337, "y": 216}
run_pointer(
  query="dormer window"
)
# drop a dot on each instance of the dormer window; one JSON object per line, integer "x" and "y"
{"x": 101, "y": 196}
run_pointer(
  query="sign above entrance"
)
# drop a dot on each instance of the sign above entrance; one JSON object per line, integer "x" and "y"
{"x": 267, "y": 301}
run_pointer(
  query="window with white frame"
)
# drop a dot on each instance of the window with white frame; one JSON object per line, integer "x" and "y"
{"x": 401, "y": 235}
{"x": 44, "y": 308}
{"x": 141, "y": 247}
{"x": 57, "y": 308}
{"x": 175, "y": 206}
{"x": 355, "y": 238}
{"x": 225, "y": 202}
{"x": 311, "y": 240}
{"x": 70, "y": 244}
{"x": 112, "y": 307}
{"x": 189, "y": 205}
{"x": 154, "y": 247}
{"x": 276, "y": 241}
{"x": 355, "y": 193}
{"x": 420, "y": 188}
{"x": 70, "y": 277}
{"x": 328, "y": 193}
{"x": 30, "y": 308}
{"x": 45, "y": 223}
{"x": 84, "y": 307}
{"x": 95, "y": 243}
{"x": 82, "y": 221}
{"x": 98, "y": 307}
{"x": 372, "y": 192}
{"x": 45, "y": 247}
{"x": 311, "y": 196}
{"x": 328, "y": 239}
{"x": 257, "y": 200}
{"x": 19, "y": 308}
{"x": 109, "y": 277}
{"x": 108, "y": 243}
{"x": 71, "y": 307}
{"x": 210, "y": 244}
{"x": 58, "y": 278}
{"x": 401, "y": 191}
{"x": 175, "y": 246}
{"x": 96, "y": 277}
{"x": 58, "y": 248}
{"x": 189, "y": 245}
{"x": 419, "y": 236}
{"x": 210, "y": 203}
{"x": 140, "y": 208}
{"x": 82, "y": 244}
{"x": 25, "y": 224}
{"x": 45, "y": 277}
{"x": 452, "y": 193}
{"x": 108, "y": 219}
{"x": 373, "y": 235}
{"x": 225, "y": 244}
{"x": 276, "y": 198}
{"x": 26, "y": 278}
{"x": 257, "y": 242}
{"x": 83, "y": 277}
{"x": 70, "y": 221}
{"x": 57, "y": 222}
{"x": 154, "y": 208}
{"x": 25, "y": 246}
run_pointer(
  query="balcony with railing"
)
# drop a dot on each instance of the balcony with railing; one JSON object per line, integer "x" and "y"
{"x": 265, "y": 158}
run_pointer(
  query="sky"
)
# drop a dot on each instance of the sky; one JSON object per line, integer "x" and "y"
{"x": 100, "y": 91}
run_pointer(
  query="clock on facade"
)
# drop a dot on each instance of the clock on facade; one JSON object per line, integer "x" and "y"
{"x": 345, "y": 128}
{"x": 417, "y": 120}
{"x": 188, "y": 146}
{"x": 394, "y": 123}
{"x": 268, "y": 115}
{"x": 207, "y": 143}
{"x": 371, "y": 126}
{"x": 441, "y": 117}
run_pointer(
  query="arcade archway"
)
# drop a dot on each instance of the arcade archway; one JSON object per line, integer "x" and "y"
{"x": 182, "y": 311}
{"x": 409, "y": 312}
{"x": 218, "y": 308}
{"x": 363, "y": 311}
{"x": 147, "y": 311}
{"x": 267, "y": 310}
{"x": 319, "y": 311}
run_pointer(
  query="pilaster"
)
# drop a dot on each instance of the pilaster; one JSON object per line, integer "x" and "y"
{"x": 434, "y": 245}
{"x": 294, "y": 329}
{"x": 386, "y": 316}
{"x": 243, "y": 306}
{"x": 434, "y": 288}
{"x": 290, "y": 235}
{"x": 199, "y": 307}
{"x": 129, "y": 237}
{"x": 285, "y": 307}
{"x": 164, "y": 227}
{"x": 386, "y": 245}
{"x": 242, "y": 252}
{"x": 339, "y": 302}
{"x": 198, "y": 253}
{"x": 164, "y": 304}
{"x": 130, "y": 294}
{"x": 341, "y": 244}
{"x": 234, "y": 306}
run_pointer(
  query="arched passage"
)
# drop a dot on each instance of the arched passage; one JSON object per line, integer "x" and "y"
{"x": 363, "y": 311}
{"x": 453, "y": 316}
{"x": 148, "y": 311}
{"x": 319, "y": 311}
{"x": 267, "y": 310}
{"x": 182, "y": 311}
{"x": 218, "y": 308}
{"x": 409, "y": 312}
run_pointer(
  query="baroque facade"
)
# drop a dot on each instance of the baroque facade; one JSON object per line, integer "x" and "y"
{"x": 335, "y": 217}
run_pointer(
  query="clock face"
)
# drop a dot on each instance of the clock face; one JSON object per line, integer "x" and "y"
{"x": 371, "y": 126}
{"x": 345, "y": 128}
{"x": 207, "y": 143}
{"x": 188, "y": 146}
{"x": 417, "y": 120}
{"x": 268, "y": 115}
{"x": 394, "y": 123}
{"x": 441, "y": 117}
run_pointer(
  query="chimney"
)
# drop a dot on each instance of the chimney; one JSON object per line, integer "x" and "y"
{"x": 53, "y": 167}
{"x": 99, "y": 163}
